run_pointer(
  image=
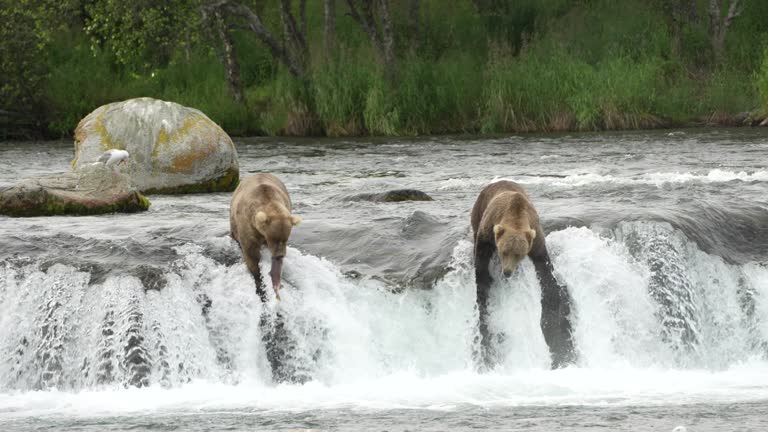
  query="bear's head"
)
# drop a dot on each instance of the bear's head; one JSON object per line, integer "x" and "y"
{"x": 276, "y": 228}
{"x": 512, "y": 245}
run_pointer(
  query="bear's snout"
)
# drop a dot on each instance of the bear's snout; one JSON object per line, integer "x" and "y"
{"x": 509, "y": 264}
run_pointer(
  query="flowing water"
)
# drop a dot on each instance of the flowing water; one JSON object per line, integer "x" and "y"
{"x": 661, "y": 238}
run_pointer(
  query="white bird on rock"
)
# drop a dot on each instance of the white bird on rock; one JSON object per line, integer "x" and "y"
{"x": 113, "y": 157}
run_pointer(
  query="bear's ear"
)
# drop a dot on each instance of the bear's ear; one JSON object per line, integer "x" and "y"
{"x": 530, "y": 234}
{"x": 261, "y": 217}
{"x": 295, "y": 220}
{"x": 498, "y": 230}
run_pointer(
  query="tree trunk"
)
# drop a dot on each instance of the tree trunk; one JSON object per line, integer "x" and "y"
{"x": 330, "y": 27}
{"x": 690, "y": 11}
{"x": 718, "y": 25}
{"x": 718, "y": 46}
{"x": 281, "y": 52}
{"x": 382, "y": 40}
{"x": 303, "y": 17}
{"x": 715, "y": 29}
{"x": 414, "y": 7}
{"x": 364, "y": 17}
{"x": 388, "y": 40}
{"x": 295, "y": 37}
{"x": 675, "y": 38}
{"x": 677, "y": 13}
{"x": 229, "y": 58}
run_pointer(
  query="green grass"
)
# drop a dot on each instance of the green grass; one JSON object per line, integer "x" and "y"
{"x": 546, "y": 65}
{"x": 762, "y": 81}
{"x": 426, "y": 97}
{"x": 729, "y": 91}
{"x": 340, "y": 88}
{"x": 551, "y": 90}
{"x": 350, "y": 96}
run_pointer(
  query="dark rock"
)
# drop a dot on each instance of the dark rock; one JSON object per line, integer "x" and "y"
{"x": 152, "y": 278}
{"x": 742, "y": 118}
{"x": 353, "y": 274}
{"x": 398, "y": 195}
{"x": 224, "y": 256}
{"x": 749, "y": 118}
{"x": 92, "y": 190}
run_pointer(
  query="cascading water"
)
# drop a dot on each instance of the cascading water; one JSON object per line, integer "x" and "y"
{"x": 644, "y": 296}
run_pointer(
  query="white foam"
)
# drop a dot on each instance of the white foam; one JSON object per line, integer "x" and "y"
{"x": 406, "y": 389}
{"x": 369, "y": 348}
{"x": 463, "y": 183}
{"x": 658, "y": 179}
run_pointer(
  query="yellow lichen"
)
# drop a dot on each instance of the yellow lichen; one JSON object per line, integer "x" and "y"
{"x": 203, "y": 144}
{"x": 164, "y": 138}
{"x": 104, "y": 137}
{"x": 185, "y": 163}
{"x": 96, "y": 125}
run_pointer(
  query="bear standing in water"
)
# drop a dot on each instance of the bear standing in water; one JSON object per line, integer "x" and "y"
{"x": 260, "y": 215}
{"x": 504, "y": 221}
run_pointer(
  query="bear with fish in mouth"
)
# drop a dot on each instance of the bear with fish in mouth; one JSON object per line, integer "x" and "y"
{"x": 260, "y": 215}
{"x": 505, "y": 222}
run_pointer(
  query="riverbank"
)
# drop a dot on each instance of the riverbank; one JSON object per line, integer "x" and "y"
{"x": 534, "y": 92}
{"x": 27, "y": 130}
{"x": 538, "y": 66}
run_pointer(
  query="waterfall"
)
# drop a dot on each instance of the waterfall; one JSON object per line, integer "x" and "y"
{"x": 644, "y": 297}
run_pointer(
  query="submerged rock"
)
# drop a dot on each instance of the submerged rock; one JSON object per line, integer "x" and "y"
{"x": 398, "y": 195}
{"x": 92, "y": 190}
{"x": 174, "y": 149}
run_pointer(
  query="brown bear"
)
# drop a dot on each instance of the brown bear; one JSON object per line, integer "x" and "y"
{"x": 260, "y": 215}
{"x": 504, "y": 221}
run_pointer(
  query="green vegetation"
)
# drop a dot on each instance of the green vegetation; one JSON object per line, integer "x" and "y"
{"x": 474, "y": 66}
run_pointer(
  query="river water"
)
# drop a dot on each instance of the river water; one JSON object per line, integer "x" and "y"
{"x": 661, "y": 238}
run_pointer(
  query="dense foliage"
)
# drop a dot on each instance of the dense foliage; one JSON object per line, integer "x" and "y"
{"x": 386, "y": 66}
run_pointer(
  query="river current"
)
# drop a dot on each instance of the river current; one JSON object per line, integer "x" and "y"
{"x": 661, "y": 238}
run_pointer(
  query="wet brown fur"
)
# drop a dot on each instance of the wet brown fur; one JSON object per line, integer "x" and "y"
{"x": 505, "y": 222}
{"x": 504, "y": 217}
{"x": 261, "y": 194}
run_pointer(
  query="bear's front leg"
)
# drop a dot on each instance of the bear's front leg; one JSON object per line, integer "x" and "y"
{"x": 252, "y": 259}
{"x": 260, "y": 290}
{"x": 483, "y": 281}
{"x": 555, "y": 313}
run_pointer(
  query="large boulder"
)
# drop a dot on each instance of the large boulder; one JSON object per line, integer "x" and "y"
{"x": 87, "y": 191}
{"x": 174, "y": 149}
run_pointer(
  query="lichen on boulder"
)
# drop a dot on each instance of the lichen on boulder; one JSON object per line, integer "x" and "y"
{"x": 173, "y": 148}
{"x": 88, "y": 191}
